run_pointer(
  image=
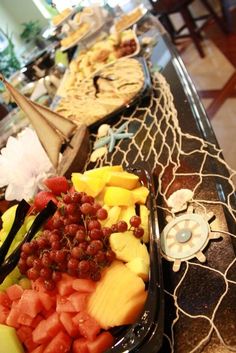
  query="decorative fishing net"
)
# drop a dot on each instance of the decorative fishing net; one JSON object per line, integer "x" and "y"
{"x": 200, "y": 294}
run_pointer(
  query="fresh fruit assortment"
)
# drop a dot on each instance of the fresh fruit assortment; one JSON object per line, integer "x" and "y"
{"x": 85, "y": 270}
{"x": 51, "y": 321}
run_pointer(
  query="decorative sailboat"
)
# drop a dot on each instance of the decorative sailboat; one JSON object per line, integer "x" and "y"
{"x": 54, "y": 131}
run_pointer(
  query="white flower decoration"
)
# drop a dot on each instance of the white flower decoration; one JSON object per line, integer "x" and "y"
{"x": 23, "y": 166}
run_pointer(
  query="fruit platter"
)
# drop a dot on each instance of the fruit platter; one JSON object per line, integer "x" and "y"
{"x": 80, "y": 267}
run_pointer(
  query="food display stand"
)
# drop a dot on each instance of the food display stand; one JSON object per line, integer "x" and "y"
{"x": 170, "y": 134}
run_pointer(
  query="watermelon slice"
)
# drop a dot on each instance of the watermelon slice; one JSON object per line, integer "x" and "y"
{"x": 71, "y": 328}
{"x": 57, "y": 185}
{"x": 84, "y": 285}
{"x": 89, "y": 328}
{"x": 5, "y": 300}
{"x": 79, "y": 301}
{"x": 42, "y": 198}
{"x": 30, "y": 303}
{"x": 103, "y": 342}
{"x": 4, "y": 312}
{"x": 59, "y": 344}
{"x": 14, "y": 292}
{"x": 80, "y": 346}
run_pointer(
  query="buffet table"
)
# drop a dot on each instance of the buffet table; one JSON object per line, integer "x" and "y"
{"x": 172, "y": 133}
{"x": 200, "y": 310}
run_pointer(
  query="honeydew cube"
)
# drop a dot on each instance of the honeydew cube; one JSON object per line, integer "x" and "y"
{"x": 7, "y": 221}
{"x": 103, "y": 171}
{"x": 117, "y": 196}
{"x": 89, "y": 184}
{"x": 15, "y": 274}
{"x": 139, "y": 267}
{"x": 8, "y": 218}
{"x": 144, "y": 215}
{"x": 140, "y": 195}
{"x": 9, "y": 341}
{"x": 12, "y": 278}
{"x": 29, "y": 222}
{"x": 3, "y": 235}
{"x": 127, "y": 247}
{"x": 123, "y": 179}
{"x": 6, "y": 283}
{"x": 126, "y": 213}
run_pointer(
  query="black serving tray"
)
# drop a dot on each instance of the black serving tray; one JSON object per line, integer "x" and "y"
{"x": 146, "y": 334}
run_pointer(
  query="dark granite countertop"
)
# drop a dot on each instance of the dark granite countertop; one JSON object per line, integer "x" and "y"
{"x": 181, "y": 148}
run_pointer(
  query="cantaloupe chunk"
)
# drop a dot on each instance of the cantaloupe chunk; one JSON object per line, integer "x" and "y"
{"x": 123, "y": 179}
{"x": 140, "y": 195}
{"x": 118, "y": 298}
{"x": 127, "y": 247}
{"x": 116, "y": 196}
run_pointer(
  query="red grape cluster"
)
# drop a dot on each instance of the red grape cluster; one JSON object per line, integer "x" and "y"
{"x": 73, "y": 241}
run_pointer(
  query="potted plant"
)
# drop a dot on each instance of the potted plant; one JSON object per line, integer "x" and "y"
{"x": 8, "y": 59}
{"x": 31, "y": 30}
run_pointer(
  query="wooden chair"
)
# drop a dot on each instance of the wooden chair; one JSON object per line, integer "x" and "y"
{"x": 164, "y": 8}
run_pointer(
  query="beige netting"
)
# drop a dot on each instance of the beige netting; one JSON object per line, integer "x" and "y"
{"x": 159, "y": 139}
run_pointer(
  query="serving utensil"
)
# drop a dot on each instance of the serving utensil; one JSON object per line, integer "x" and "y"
{"x": 10, "y": 263}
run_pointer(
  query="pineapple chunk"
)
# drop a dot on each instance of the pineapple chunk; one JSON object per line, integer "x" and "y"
{"x": 113, "y": 216}
{"x": 127, "y": 213}
{"x": 140, "y": 195}
{"x": 127, "y": 247}
{"x": 123, "y": 179}
{"x": 103, "y": 172}
{"x": 144, "y": 213}
{"x": 89, "y": 184}
{"x": 116, "y": 196}
{"x": 139, "y": 267}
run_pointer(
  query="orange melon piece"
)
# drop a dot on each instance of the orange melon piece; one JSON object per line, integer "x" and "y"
{"x": 119, "y": 297}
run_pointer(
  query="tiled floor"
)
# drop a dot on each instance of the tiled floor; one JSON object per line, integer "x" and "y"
{"x": 215, "y": 79}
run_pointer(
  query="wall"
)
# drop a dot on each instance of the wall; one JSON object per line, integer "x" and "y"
{"x": 13, "y": 13}
{"x": 8, "y": 23}
{"x": 24, "y": 11}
